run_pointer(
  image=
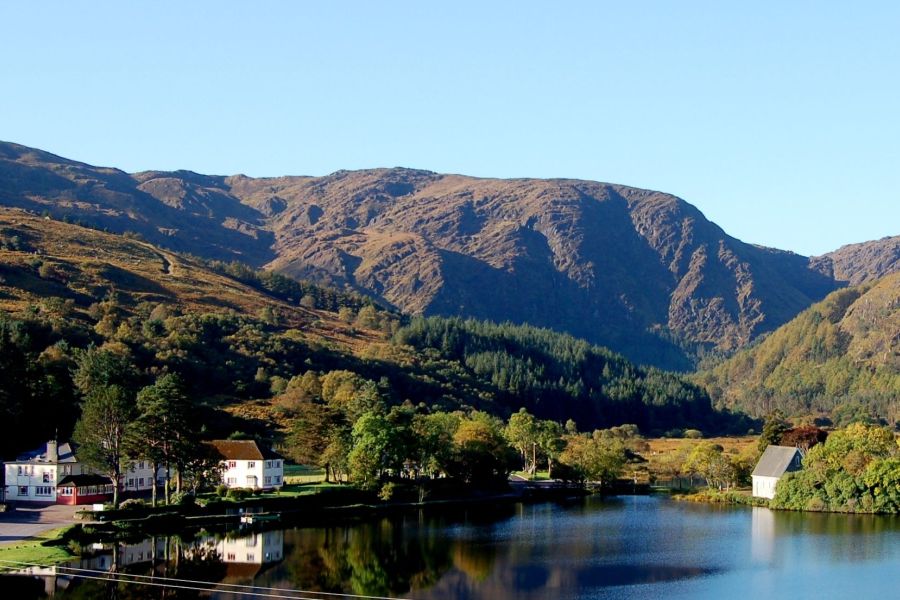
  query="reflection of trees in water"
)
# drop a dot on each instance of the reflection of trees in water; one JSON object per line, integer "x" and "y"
{"x": 377, "y": 558}
{"x": 852, "y": 537}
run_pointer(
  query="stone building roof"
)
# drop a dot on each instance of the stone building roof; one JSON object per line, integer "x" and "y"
{"x": 778, "y": 460}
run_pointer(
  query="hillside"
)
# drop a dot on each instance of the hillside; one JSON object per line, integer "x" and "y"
{"x": 642, "y": 272}
{"x": 839, "y": 358}
{"x": 861, "y": 263}
{"x": 243, "y": 341}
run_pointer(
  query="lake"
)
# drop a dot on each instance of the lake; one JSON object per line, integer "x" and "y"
{"x": 624, "y": 547}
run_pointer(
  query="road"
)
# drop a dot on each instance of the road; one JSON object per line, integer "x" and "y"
{"x": 26, "y": 522}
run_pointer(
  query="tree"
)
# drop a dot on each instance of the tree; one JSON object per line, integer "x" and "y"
{"x": 99, "y": 368}
{"x": 483, "y": 455}
{"x": 102, "y": 429}
{"x": 372, "y": 437}
{"x": 709, "y": 461}
{"x": 162, "y": 433}
{"x": 522, "y": 431}
{"x": 804, "y": 437}
{"x": 434, "y": 435}
{"x": 773, "y": 428}
{"x": 598, "y": 457}
{"x": 551, "y": 442}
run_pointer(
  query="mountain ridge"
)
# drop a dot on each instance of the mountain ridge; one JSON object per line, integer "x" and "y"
{"x": 642, "y": 272}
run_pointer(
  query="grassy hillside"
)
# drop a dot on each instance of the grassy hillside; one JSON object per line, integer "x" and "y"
{"x": 240, "y": 337}
{"x": 839, "y": 359}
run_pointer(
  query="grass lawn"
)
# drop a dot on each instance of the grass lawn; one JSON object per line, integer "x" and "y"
{"x": 297, "y": 474}
{"x": 538, "y": 475}
{"x": 32, "y": 549}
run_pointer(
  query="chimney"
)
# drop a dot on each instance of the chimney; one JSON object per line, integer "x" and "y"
{"x": 52, "y": 451}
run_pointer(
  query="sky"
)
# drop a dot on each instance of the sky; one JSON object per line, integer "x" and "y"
{"x": 779, "y": 120}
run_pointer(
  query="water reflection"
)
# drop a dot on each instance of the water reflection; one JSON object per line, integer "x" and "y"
{"x": 238, "y": 558}
{"x": 631, "y": 546}
{"x": 824, "y": 537}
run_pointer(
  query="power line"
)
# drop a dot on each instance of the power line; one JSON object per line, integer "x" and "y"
{"x": 249, "y": 590}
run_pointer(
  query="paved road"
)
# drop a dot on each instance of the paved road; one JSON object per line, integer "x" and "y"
{"x": 27, "y": 522}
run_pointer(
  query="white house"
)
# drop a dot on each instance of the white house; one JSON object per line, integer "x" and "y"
{"x": 33, "y": 476}
{"x": 246, "y": 465}
{"x": 138, "y": 476}
{"x": 53, "y": 473}
{"x": 772, "y": 465}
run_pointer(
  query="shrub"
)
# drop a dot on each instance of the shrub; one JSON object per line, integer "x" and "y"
{"x": 221, "y": 490}
{"x": 132, "y": 504}
{"x": 816, "y": 504}
{"x": 693, "y": 434}
{"x": 183, "y": 499}
{"x": 238, "y": 493}
{"x": 387, "y": 491}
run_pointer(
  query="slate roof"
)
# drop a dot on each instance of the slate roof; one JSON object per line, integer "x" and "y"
{"x": 243, "y": 450}
{"x": 84, "y": 480}
{"x": 65, "y": 451}
{"x": 776, "y": 461}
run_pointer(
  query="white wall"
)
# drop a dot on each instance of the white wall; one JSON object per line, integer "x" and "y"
{"x": 764, "y": 487}
{"x": 239, "y": 475}
{"x": 36, "y": 477}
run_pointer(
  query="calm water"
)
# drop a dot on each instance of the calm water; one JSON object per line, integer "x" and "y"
{"x": 630, "y": 547}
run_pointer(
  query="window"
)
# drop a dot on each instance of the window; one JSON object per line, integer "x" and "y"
{"x": 66, "y": 491}
{"x": 268, "y": 480}
{"x": 231, "y": 481}
{"x": 141, "y": 465}
{"x": 230, "y": 556}
{"x": 20, "y": 470}
{"x": 43, "y": 490}
{"x": 251, "y": 465}
{"x": 141, "y": 482}
{"x": 23, "y": 490}
{"x": 232, "y": 464}
{"x": 277, "y": 479}
{"x": 251, "y": 557}
{"x": 46, "y": 477}
{"x": 268, "y": 464}
{"x": 67, "y": 469}
{"x": 131, "y": 482}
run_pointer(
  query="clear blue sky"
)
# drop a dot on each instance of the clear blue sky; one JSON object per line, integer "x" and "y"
{"x": 780, "y": 120}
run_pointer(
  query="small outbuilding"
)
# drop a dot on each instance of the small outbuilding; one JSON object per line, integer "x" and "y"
{"x": 84, "y": 489}
{"x": 772, "y": 465}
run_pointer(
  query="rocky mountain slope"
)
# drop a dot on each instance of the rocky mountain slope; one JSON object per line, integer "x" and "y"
{"x": 840, "y": 358}
{"x": 642, "y": 272}
{"x": 859, "y": 263}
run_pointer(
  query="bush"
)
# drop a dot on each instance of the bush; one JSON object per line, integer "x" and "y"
{"x": 183, "y": 499}
{"x": 238, "y": 493}
{"x": 387, "y": 491}
{"x": 221, "y": 490}
{"x": 692, "y": 434}
{"x": 132, "y": 504}
{"x": 816, "y": 504}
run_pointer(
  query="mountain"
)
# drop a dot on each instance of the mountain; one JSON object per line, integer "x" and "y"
{"x": 243, "y": 339}
{"x": 642, "y": 272}
{"x": 860, "y": 263}
{"x": 839, "y": 358}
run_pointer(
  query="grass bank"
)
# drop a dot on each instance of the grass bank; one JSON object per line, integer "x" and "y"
{"x": 736, "y": 497}
{"x": 49, "y": 547}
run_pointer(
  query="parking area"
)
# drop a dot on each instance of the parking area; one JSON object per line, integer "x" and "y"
{"x": 30, "y": 520}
